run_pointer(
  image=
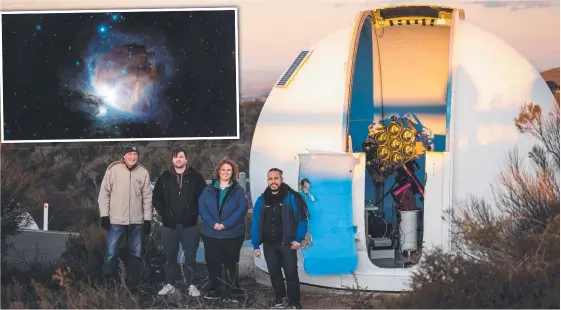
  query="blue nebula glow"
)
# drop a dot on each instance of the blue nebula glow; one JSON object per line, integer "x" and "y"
{"x": 37, "y": 27}
{"x": 118, "y": 94}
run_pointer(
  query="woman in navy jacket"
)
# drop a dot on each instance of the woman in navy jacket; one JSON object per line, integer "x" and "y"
{"x": 223, "y": 208}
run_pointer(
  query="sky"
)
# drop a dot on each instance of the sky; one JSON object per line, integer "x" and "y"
{"x": 537, "y": 38}
{"x": 272, "y": 32}
{"x": 119, "y": 76}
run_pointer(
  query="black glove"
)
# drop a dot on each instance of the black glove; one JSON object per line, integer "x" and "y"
{"x": 105, "y": 224}
{"x": 147, "y": 227}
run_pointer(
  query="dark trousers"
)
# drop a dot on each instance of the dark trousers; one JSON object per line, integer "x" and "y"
{"x": 281, "y": 256}
{"x": 189, "y": 238}
{"x": 223, "y": 252}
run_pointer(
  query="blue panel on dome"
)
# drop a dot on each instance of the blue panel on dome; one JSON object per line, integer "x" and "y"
{"x": 289, "y": 73}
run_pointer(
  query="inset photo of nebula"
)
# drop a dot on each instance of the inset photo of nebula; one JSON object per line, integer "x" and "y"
{"x": 117, "y": 76}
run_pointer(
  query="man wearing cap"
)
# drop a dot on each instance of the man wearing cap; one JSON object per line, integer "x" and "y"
{"x": 125, "y": 206}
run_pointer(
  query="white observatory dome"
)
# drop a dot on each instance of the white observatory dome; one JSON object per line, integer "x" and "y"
{"x": 463, "y": 83}
{"x": 490, "y": 82}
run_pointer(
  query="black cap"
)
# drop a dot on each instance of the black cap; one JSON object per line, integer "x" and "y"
{"x": 130, "y": 149}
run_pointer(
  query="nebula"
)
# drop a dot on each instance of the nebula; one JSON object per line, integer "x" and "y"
{"x": 146, "y": 75}
{"x": 124, "y": 77}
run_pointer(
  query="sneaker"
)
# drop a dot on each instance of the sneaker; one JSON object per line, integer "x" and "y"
{"x": 193, "y": 291}
{"x": 167, "y": 289}
{"x": 298, "y": 306}
{"x": 212, "y": 295}
{"x": 279, "y": 304}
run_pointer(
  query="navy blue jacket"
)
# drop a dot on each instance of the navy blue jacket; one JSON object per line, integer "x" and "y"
{"x": 231, "y": 215}
{"x": 294, "y": 224}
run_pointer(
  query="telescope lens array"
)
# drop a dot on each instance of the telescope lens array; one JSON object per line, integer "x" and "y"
{"x": 391, "y": 144}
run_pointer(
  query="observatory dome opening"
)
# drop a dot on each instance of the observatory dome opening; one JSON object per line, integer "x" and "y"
{"x": 398, "y": 110}
{"x": 385, "y": 121}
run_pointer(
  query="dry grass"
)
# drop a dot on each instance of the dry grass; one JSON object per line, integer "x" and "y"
{"x": 507, "y": 252}
{"x": 77, "y": 283}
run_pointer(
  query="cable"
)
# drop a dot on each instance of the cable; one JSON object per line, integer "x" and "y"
{"x": 377, "y": 204}
{"x": 401, "y": 242}
{"x": 386, "y": 194}
{"x": 385, "y": 223}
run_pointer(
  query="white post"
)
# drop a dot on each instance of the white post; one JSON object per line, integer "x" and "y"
{"x": 45, "y": 216}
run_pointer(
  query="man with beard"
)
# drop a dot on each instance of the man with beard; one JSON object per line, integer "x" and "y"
{"x": 125, "y": 207}
{"x": 176, "y": 196}
{"x": 280, "y": 223}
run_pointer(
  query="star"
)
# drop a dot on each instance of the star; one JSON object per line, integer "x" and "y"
{"x": 102, "y": 29}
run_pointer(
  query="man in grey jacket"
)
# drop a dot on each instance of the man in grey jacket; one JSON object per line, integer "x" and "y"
{"x": 125, "y": 206}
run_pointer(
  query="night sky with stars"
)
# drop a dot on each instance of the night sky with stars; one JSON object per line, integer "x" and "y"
{"x": 119, "y": 75}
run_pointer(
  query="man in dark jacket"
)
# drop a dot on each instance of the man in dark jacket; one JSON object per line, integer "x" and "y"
{"x": 175, "y": 198}
{"x": 280, "y": 223}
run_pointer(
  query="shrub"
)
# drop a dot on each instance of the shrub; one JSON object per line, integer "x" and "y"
{"x": 77, "y": 283}
{"x": 507, "y": 253}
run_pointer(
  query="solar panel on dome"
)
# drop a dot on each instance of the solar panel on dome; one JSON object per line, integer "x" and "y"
{"x": 289, "y": 73}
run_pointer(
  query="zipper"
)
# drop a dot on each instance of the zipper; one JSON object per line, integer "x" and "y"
{"x": 191, "y": 191}
{"x": 180, "y": 181}
{"x": 218, "y": 209}
{"x": 274, "y": 221}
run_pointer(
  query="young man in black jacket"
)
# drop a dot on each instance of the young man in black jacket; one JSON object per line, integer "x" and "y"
{"x": 175, "y": 198}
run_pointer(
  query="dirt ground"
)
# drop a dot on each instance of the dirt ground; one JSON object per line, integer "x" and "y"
{"x": 258, "y": 296}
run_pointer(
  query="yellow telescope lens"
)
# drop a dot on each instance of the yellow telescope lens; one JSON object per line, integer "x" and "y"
{"x": 395, "y": 144}
{"x": 408, "y": 150}
{"x": 382, "y": 153}
{"x": 381, "y": 137}
{"x": 396, "y": 159}
{"x": 407, "y": 135}
{"x": 394, "y": 129}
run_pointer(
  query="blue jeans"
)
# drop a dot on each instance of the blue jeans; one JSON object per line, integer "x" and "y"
{"x": 115, "y": 237}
